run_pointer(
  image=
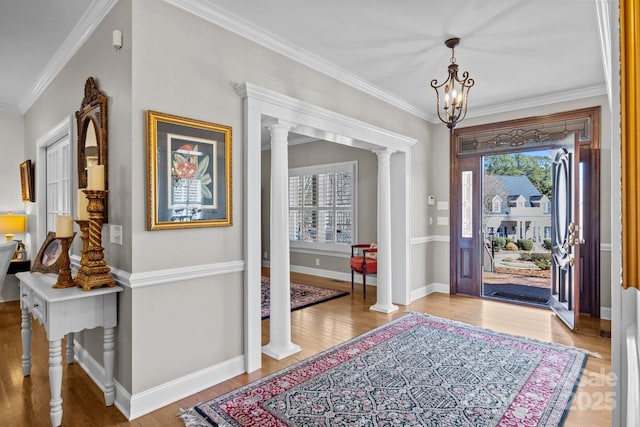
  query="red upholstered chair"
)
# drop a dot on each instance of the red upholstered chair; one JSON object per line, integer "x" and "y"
{"x": 364, "y": 260}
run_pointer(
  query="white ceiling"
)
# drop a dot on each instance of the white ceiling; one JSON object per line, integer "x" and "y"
{"x": 520, "y": 52}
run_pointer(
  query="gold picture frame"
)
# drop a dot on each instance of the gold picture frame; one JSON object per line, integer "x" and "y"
{"x": 188, "y": 172}
{"x": 26, "y": 181}
{"x": 630, "y": 135}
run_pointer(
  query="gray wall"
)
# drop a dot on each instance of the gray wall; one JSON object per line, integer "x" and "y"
{"x": 12, "y": 143}
{"x": 193, "y": 74}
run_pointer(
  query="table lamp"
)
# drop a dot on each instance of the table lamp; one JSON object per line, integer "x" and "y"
{"x": 12, "y": 223}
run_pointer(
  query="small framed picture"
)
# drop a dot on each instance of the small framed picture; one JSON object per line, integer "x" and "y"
{"x": 48, "y": 259}
{"x": 26, "y": 181}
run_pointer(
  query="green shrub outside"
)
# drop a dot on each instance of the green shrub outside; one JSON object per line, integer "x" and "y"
{"x": 546, "y": 243}
{"x": 525, "y": 244}
{"x": 540, "y": 255}
{"x": 500, "y": 242}
{"x": 542, "y": 263}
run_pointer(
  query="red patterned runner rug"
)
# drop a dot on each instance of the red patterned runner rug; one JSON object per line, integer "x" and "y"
{"x": 301, "y": 295}
{"x": 416, "y": 370}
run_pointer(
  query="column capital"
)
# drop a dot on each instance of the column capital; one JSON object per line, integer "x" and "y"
{"x": 279, "y": 133}
{"x": 383, "y": 153}
{"x": 280, "y": 124}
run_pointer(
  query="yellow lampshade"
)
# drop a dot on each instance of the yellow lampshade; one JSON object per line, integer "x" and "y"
{"x": 11, "y": 224}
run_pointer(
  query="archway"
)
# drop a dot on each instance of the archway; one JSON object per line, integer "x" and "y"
{"x": 317, "y": 122}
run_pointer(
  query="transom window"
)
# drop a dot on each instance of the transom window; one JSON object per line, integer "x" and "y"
{"x": 321, "y": 207}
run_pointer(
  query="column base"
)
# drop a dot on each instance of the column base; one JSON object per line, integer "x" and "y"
{"x": 281, "y": 352}
{"x": 384, "y": 308}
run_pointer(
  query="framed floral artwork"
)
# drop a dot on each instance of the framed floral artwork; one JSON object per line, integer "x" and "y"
{"x": 188, "y": 172}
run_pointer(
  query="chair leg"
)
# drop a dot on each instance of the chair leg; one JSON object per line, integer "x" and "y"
{"x": 364, "y": 286}
{"x": 352, "y": 279}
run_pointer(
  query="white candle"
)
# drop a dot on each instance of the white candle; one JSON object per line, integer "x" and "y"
{"x": 95, "y": 177}
{"x": 64, "y": 226}
{"x": 83, "y": 206}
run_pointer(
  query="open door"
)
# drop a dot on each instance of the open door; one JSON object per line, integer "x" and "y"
{"x": 566, "y": 233}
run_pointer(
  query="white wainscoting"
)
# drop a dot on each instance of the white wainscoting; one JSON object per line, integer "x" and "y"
{"x": 134, "y": 406}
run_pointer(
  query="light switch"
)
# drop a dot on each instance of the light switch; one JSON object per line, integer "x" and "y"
{"x": 115, "y": 234}
{"x": 443, "y": 220}
{"x": 443, "y": 206}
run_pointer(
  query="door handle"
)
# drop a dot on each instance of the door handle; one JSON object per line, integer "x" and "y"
{"x": 574, "y": 232}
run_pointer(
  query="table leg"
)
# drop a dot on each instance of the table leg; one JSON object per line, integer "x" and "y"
{"x": 26, "y": 342}
{"x": 55, "y": 381}
{"x": 109, "y": 357}
{"x": 70, "y": 349}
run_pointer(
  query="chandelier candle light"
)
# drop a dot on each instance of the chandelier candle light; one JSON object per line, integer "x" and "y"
{"x": 452, "y": 107}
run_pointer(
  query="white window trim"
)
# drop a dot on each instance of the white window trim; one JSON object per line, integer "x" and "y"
{"x": 497, "y": 201}
{"x": 329, "y": 248}
{"x": 64, "y": 129}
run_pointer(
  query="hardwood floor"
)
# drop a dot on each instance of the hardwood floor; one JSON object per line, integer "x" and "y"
{"x": 25, "y": 401}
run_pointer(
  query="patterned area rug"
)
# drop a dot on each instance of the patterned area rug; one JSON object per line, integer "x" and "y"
{"x": 417, "y": 370}
{"x": 301, "y": 295}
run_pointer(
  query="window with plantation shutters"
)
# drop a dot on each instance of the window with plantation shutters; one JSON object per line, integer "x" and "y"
{"x": 321, "y": 207}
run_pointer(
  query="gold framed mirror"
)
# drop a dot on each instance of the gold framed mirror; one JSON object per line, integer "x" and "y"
{"x": 92, "y": 120}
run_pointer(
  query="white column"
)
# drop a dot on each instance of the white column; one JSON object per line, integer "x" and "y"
{"x": 280, "y": 345}
{"x": 384, "y": 291}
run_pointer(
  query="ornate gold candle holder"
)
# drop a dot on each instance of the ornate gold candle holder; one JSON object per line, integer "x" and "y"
{"x": 94, "y": 271}
{"x": 84, "y": 235}
{"x": 64, "y": 274}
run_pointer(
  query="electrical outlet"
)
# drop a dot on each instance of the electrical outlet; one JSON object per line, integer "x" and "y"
{"x": 115, "y": 234}
{"x": 317, "y": 261}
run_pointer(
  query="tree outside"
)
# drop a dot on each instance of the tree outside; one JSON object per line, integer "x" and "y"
{"x": 535, "y": 166}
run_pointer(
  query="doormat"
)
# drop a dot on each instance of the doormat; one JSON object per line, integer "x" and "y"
{"x": 520, "y": 293}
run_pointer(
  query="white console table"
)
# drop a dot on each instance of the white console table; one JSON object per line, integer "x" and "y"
{"x": 64, "y": 312}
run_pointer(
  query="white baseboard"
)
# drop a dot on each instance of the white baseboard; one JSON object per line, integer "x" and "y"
{"x": 423, "y": 291}
{"x": 134, "y": 406}
{"x": 605, "y": 313}
{"x": 337, "y": 275}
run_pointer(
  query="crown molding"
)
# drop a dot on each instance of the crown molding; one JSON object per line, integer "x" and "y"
{"x": 264, "y": 38}
{"x": 538, "y": 101}
{"x": 604, "y": 27}
{"x": 76, "y": 38}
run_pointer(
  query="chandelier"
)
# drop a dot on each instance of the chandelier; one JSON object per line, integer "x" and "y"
{"x": 452, "y": 107}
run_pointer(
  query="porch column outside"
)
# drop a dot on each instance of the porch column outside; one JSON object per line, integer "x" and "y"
{"x": 280, "y": 345}
{"x": 384, "y": 291}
